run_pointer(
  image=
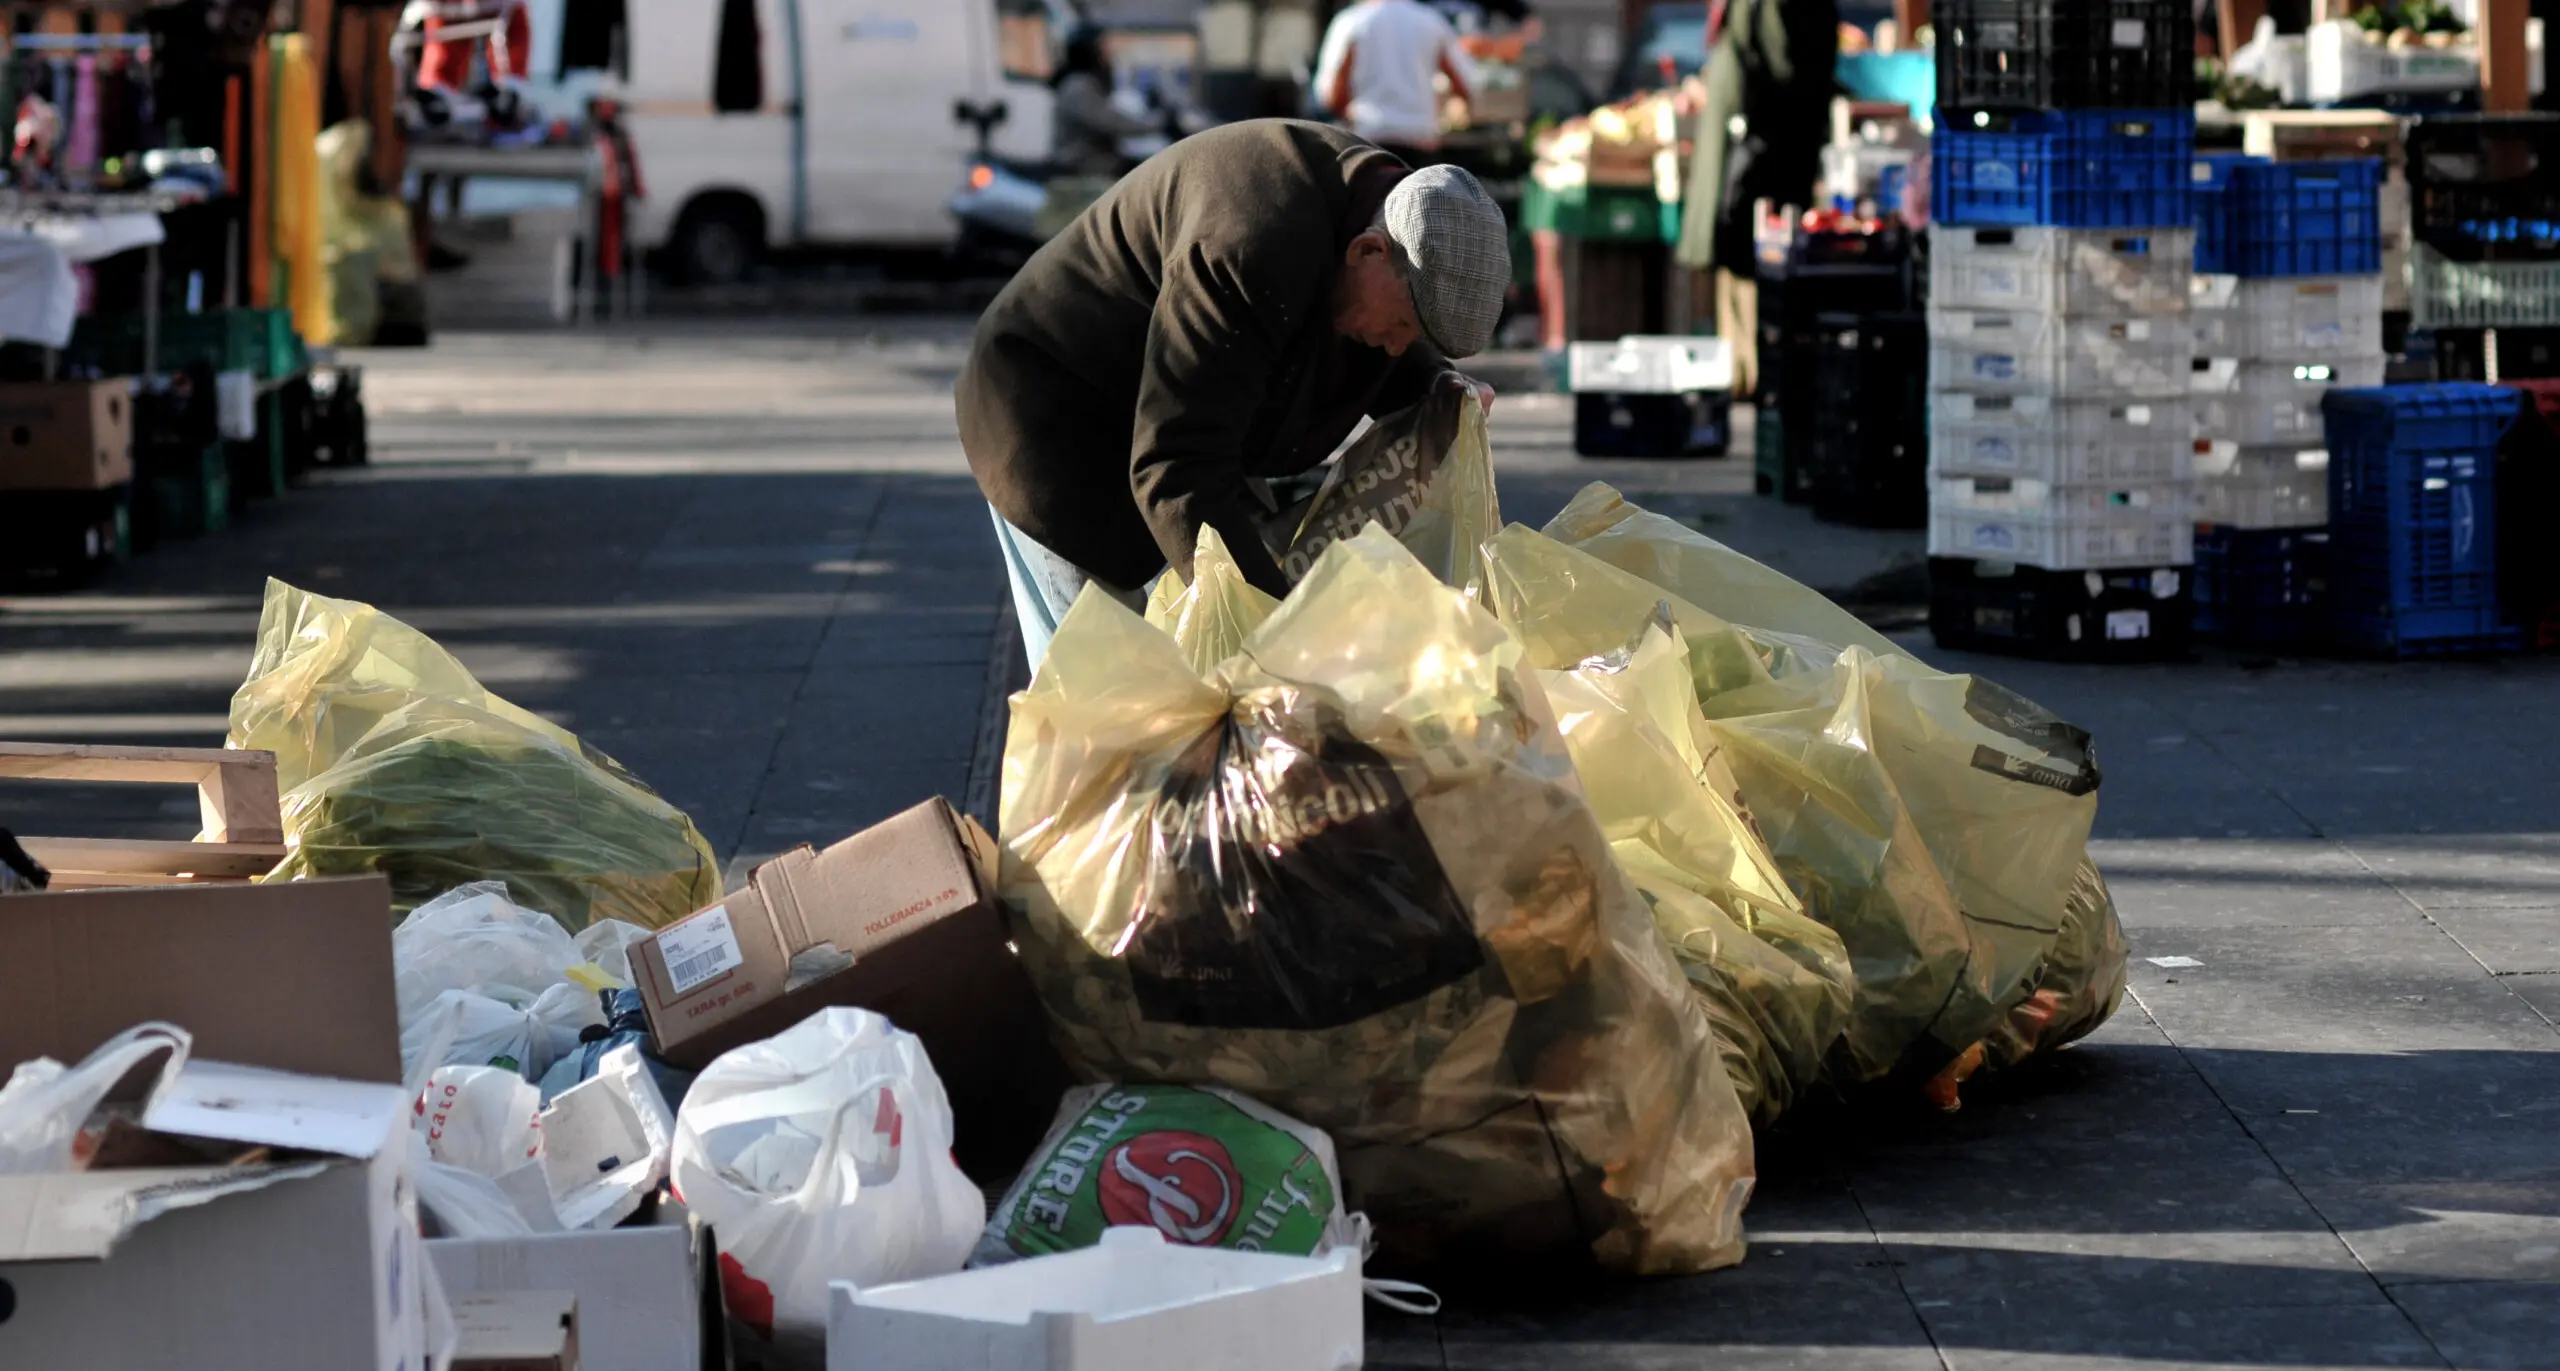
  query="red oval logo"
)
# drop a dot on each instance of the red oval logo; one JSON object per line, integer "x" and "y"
{"x": 1183, "y": 1185}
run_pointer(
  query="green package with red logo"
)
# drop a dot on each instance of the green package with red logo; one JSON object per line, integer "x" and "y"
{"x": 1204, "y": 1167}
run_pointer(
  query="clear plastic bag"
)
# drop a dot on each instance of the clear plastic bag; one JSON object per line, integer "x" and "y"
{"x": 1210, "y": 618}
{"x": 1351, "y": 875}
{"x": 394, "y": 759}
{"x": 476, "y": 936}
{"x": 819, "y": 1155}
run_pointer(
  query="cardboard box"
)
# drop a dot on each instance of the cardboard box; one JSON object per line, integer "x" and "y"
{"x": 639, "y": 1289}
{"x": 911, "y": 902}
{"x": 66, "y": 435}
{"x": 302, "y": 1265}
{"x": 520, "y": 1330}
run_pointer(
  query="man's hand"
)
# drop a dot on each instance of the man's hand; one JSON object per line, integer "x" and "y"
{"x": 1484, "y": 393}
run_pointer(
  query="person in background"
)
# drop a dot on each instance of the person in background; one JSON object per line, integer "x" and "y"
{"x": 1087, "y": 129}
{"x": 1761, "y": 127}
{"x": 1375, "y": 73}
{"x": 1146, "y": 366}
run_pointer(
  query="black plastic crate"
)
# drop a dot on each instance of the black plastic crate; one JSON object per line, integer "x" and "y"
{"x": 57, "y": 538}
{"x": 2486, "y": 187}
{"x": 2528, "y": 500}
{"x": 2065, "y": 54}
{"x": 2262, "y": 587}
{"x": 1689, "y": 424}
{"x": 2495, "y": 354}
{"x": 2133, "y": 615}
{"x": 1870, "y": 454}
{"x": 1791, "y": 303}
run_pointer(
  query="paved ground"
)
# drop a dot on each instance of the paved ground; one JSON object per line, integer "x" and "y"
{"x": 753, "y": 567}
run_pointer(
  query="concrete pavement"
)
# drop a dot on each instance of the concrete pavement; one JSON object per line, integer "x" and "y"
{"x": 752, "y": 566}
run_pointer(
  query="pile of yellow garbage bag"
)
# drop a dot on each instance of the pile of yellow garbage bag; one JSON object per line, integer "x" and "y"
{"x": 1537, "y": 867}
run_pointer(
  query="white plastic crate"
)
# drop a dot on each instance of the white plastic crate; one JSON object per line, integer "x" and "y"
{"x": 2026, "y": 495}
{"x": 2286, "y": 486}
{"x": 1135, "y": 1303}
{"x": 2017, "y": 352}
{"x": 2117, "y": 272}
{"x": 2447, "y": 294}
{"x": 2262, "y": 402}
{"x": 2062, "y": 542}
{"x": 2286, "y": 316}
{"x": 2065, "y": 441}
{"x": 1650, "y": 364}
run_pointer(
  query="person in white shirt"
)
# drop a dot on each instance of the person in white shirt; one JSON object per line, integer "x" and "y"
{"x": 1375, "y": 73}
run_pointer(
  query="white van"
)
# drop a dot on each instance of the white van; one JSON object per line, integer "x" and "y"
{"x": 837, "y": 123}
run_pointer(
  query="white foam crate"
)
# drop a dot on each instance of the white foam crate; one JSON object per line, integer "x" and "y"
{"x": 2064, "y": 441}
{"x": 2261, "y": 402}
{"x": 1650, "y": 364}
{"x": 2116, "y": 272}
{"x": 2062, "y": 542}
{"x": 2262, "y": 487}
{"x": 2447, "y": 294}
{"x": 2286, "y": 316}
{"x": 2017, "y": 352}
{"x": 1134, "y": 1303}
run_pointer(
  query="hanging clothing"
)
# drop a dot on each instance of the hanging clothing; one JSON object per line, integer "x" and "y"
{"x": 1771, "y": 66}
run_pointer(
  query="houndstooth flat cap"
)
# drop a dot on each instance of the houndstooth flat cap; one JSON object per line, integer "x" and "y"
{"x": 1452, "y": 234}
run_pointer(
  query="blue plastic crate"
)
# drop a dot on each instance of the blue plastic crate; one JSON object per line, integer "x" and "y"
{"x": 2216, "y": 211}
{"x": 2308, "y": 218}
{"x": 2262, "y": 588}
{"x": 2412, "y": 516}
{"x": 2072, "y": 168}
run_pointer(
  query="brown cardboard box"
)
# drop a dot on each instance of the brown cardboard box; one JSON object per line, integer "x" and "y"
{"x": 66, "y": 435}
{"x": 911, "y": 901}
{"x": 309, "y": 1262}
{"x": 516, "y": 1330}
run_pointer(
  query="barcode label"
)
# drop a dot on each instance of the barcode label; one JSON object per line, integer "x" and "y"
{"x": 699, "y": 949}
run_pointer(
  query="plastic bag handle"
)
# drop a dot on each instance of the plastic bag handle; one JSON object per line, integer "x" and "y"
{"x": 897, "y": 1088}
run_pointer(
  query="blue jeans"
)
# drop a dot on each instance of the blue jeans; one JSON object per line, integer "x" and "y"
{"x": 1045, "y": 586}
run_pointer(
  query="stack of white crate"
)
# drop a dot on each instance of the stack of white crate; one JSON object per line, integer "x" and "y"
{"x": 2271, "y": 347}
{"x": 2059, "y": 369}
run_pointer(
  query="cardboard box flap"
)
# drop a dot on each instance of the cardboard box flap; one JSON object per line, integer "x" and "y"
{"x": 784, "y": 885}
{"x": 82, "y": 1215}
{"x": 248, "y": 1104}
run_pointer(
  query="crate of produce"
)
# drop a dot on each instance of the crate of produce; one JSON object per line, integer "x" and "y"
{"x": 1871, "y": 442}
{"x": 2265, "y": 588}
{"x": 2486, "y": 186}
{"x": 2412, "y": 514}
{"x": 2287, "y": 316}
{"x": 2065, "y": 54}
{"x": 2448, "y": 293}
{"x": 1986, "y": 352}
{"x": 2285, "y": 486}
{"x": 2060, "y": 440}
{"x": 2059, "y": 528}
{"x": 2491, "y": 354}
{"x": 2070, "y": 168}
{"x": 2307, "y": 218}
{"x": 2256, "y": 403}
{"x": 2132, "y": 614}
{"x": 63, "y": 537}
{"x": 2214, "y": 211}
{"x": 2116, "y": 272}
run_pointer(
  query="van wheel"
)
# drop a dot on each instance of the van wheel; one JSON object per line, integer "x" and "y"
{"x": 716, "y": 242}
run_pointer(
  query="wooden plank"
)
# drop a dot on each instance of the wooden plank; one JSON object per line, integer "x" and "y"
{"x": 240, "y": 804}
{"x": 140, "y": 765}
{"x": 85, "y": 857}
{"x": 2505, "y": 86}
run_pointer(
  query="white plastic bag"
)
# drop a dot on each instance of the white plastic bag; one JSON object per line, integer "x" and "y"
{"x": 822, "y": 1155}
{"x": 484, "y": 1119}
{"x": 465, "y": 1204}
{"x": 45, "y": 1105}
{"x": 475, "y": 936}
{"x": 503, "y": 1026}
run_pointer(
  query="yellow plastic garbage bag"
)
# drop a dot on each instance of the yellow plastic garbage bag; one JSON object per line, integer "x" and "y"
{"x": 1350, "y": 874}
{"x": 1937, "y": 823}
{"x": 1210, "y": 618}
{"x": 1776, "y": 984}
{"x": 394, "y": 759}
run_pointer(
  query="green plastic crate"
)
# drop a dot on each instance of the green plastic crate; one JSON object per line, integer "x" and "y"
{"x": 1612, "y": 214}
{"x": 181, "y": 495}
{"x": 259, "y": 341}
{"x": 1768, "y": 451}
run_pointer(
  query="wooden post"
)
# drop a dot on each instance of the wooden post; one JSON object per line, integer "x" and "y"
{"x": 1908, "y": 16}
{"x": 2239, "y": 21}
{"x": 2505, "y": 86}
